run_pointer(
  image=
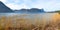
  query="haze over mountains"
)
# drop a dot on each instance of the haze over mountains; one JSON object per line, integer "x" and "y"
{"x": 5, "y": 9}
{"x": 33, "y": 10}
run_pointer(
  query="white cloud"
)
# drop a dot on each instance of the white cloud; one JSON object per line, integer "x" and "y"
{"x": 16, "y": 1}
{"x": 17, "y": 6}
{"x": 50, "y": 5}
{"x": 3, "y": 0}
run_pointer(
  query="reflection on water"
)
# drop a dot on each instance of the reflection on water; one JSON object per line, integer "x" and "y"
{"x": 25, "y": 20}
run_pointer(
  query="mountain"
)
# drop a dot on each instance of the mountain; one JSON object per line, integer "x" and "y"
{"x": 4, "y": 8}
{"x": 21, "y": 11}
{"x": 36, "y": 10}
{"x": 32, "y": 10}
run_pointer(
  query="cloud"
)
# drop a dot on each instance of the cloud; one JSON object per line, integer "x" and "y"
{"x": 17, "y": 6}
{"x": 3, "y": 0}
{"x": 50, "y": 5}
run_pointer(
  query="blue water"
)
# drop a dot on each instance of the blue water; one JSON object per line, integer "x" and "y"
{"x": 30, "y": 15}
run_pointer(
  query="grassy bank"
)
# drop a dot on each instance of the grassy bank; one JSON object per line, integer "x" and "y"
{"x": 23, "y": 23}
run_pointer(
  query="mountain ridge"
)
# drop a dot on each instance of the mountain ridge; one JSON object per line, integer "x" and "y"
{"x": 32, "y": 10}
{"x": 4, "y": 8}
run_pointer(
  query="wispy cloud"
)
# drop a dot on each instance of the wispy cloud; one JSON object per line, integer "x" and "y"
{"x": 17, "y": 6}
{"x": 3, "y": 0}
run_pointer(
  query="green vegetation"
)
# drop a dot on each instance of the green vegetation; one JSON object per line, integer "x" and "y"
{"x": 58, "y": 11}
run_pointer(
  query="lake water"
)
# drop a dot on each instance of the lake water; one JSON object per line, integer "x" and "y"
{"x": 47, "y": 16}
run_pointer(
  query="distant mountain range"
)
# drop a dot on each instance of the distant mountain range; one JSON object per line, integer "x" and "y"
{"x": 5, "y": 9}
{"x": 33, "y": 10}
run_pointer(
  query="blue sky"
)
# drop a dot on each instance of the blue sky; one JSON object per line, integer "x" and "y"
{"x": 47, "y": 5}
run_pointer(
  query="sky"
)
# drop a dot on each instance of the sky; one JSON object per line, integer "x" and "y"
{"x": 47, "y": 5}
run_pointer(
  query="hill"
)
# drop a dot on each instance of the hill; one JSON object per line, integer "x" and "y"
{"x": 4, "y": 8}
{"x": 32, "y": 10}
